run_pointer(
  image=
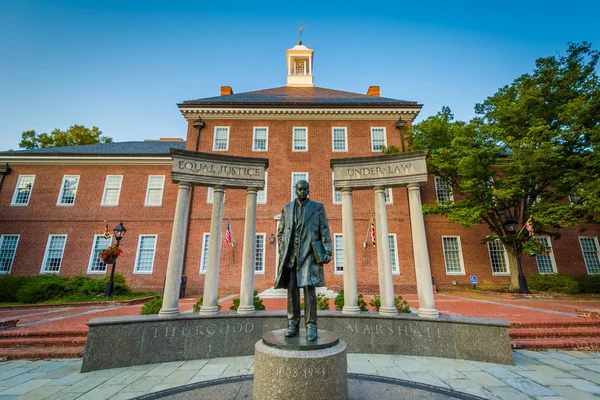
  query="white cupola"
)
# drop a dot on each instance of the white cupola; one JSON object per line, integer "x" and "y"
{"x": 300, "y": 66}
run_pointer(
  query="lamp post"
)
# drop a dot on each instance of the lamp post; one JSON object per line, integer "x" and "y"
{"x": 511, "y": 227}
{"x": 119, "y": 232}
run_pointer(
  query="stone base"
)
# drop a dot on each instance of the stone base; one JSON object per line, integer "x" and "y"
{"x": 288, "y": 372}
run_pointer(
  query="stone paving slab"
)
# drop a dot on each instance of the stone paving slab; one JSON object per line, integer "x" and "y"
{"x": 553, "y": 375}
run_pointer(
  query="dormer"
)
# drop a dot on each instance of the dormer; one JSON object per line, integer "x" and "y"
{"x": 300, "y": 66}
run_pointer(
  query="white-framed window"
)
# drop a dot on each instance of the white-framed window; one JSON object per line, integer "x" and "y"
{"x": 68, "y": 190}
{"x": 298, "y": 176}
{"x": 221, "y": 139}
{"x": 96, "y": 265}
{"x": 261, "y": 195}
{"x": 8, "y": 249}
{"x": 210, "y": 195}
{"x": 498, "y": 257}
{"x": 338, "y": 252}
{"x": 300, "y": 139}
{"x": 112, "y": 190}
{"x": 443, "y": 190}
{"x": 154, "y": 192}
{"x": 204, "y": 255}
{"x": 389, "y": 199}
{"x": 144, "y": 260}
{"x": 53, "y": 256}
{"x": 337, "y": 194}
{"x": 378, "y": 139}
{"x": 393, "y": 253}
{"x": 339, "y": 138}
{"x": 260, "y": 138}
{"x": 545, "y": 262}
{"x": 259, "y": 253}
{"x": 23, "y": 190}
{"x": 453, "y": 255}
{"x": 300, "y": 67}
{"x": 591, "y": 253}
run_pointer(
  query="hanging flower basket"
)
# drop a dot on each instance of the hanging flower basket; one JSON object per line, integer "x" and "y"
{"x": 532, "y": 247}
{"x": 109, "y": 256}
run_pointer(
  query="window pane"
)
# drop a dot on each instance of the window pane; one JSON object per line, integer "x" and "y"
{"x": 339, "y": 252}
{"x": 443, "y": 191}
{"x": 100, "y": 244}
{"x": 300, "y": 139}
{"x": 388, "y": 195}
{"x": 452, "y": 254}
{"x": 589, "y": 246}
{"x": 377, "y": 138}
{"x": 145, "y": 259}
{"x": 204, "y": 253}
{"x": 297, "y": 176}
{"x": 497, "y": 257}
{"x": 155, "y": 190}
{"x": 544, "y": 261}
{"x": 260, "y": 139}
{"x": 23, "y": 189}
{"x": 261, "y": 195}
{"x": 393, "y": 260}
{"x": 55, "y": 252}
{"x": 112, "y": 190}
{"x": 8, "y": 248}
{"x": 337, "y": 196}
{"x": 69, "y": 190}
{"x": 259, "y": 253}
{"x": 339, "y": 139}
{"x": 221, "y": 138}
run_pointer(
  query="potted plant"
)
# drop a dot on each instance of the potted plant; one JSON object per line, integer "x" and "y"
{"x": 109, "y": 256}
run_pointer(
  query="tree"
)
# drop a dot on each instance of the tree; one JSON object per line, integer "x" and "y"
{"x": 74, "y": 136}
{"x": 533, "y": 144}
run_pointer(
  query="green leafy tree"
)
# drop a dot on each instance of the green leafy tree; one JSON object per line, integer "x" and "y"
{"x": 534, "y": 143}
{"x": 74, "y": 136}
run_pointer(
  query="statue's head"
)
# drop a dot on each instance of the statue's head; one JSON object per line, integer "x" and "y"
{"x": 302, "y": 190}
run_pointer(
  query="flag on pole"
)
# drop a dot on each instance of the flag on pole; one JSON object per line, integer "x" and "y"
{"x": 529, "y": 227}
{"x": 228, "y": 233}
{"x": 373, "y": 238}
{"x": 106, "y": 233}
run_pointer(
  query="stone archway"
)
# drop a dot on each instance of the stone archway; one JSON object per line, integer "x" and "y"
{"x": 378, "y": 173}
{"x": 221, "y": 172}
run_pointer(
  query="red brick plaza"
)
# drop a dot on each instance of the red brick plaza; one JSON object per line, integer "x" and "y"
{"x": 54, "y": 202}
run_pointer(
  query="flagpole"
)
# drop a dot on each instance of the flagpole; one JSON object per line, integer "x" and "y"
{"x": 368, "y": 232}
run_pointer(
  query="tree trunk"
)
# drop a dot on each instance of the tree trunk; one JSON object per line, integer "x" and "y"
{"x": 512, "y": 266}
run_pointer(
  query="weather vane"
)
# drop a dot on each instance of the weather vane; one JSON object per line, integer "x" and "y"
{"x": 300, "y": 32}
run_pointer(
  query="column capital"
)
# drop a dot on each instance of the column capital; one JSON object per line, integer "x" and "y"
{"x": 413, "y": 186}
{"x": 378, "y": 189}
{"x": 185, "y": 185}
{"x": 219, "y": 189}
{"x": 346, "y": 190}
{"x": 251, "y": 190}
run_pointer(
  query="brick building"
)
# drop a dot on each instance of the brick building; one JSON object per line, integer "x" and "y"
{"x": 54, "y": 202}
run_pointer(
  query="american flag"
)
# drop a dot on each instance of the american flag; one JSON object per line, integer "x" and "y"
{"x": 228, "y": 233}
{"x": 373, "y": 239}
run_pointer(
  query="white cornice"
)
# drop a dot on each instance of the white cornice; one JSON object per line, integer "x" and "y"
{"x": 85, "y": 160}
{"x": 205, "y": 113}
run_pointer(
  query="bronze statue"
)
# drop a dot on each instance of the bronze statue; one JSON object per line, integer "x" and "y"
{"x": 304, "y": 246}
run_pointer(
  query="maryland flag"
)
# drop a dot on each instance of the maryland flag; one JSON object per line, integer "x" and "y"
{"x": 529, "y": 227}
{"x": 373, "y": 238}
{"x": 106, "y": 233}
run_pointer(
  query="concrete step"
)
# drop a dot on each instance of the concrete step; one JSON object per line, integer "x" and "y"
{"x": 42, "y": 352}
{"x": 558, "y": 324}
{"x": 557, "y": 333}
{"x": 589, "y": 343}
{"x": 29, "y": 342}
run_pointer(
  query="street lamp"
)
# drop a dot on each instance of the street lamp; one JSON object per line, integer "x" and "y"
{"x": 119, "y": 232}
{"x": 511, "y": 227}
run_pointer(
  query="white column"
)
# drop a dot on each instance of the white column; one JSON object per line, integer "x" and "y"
{"x": 384, "y": 264}
{"x": 213, "y": 260}
{"x": 248, "y": 256}
{"x": 176, "y": 252}
{"x": 422, "y": 267}
{"x": 350, "y": 291}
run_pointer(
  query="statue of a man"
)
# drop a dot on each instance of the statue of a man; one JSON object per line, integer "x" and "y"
{"x": 304, "y": 246}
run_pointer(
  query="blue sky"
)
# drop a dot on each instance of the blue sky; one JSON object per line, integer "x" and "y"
{"x": 123, "y": 66}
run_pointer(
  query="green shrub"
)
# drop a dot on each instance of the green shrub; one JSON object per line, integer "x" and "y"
{"x": 152, "y": 306}
{"x": 322, "y": 302}
{"x": 339, "y": 302}
{"x": 401, "y": 305}
{"x": 375, "y": 302}
{"x": 42, "y": 288}
{"x": 258, "y": 304}
{"x": 198, "y": 304}
{"x": 588, "y": 283}
{"x": 553, "y": 283}
{"x": 96, "y": 286}
{"x": 9, "y": 287}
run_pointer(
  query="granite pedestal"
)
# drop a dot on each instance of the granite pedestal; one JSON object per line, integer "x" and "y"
{"x": 294, "y": 368}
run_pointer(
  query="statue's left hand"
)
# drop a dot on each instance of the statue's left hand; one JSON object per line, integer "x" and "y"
{"x": 326, "y": 258}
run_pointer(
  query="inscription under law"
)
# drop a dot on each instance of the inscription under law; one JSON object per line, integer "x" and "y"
{"x": 398, "y": 169}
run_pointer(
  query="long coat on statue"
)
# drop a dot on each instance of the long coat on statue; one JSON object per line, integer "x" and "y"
{"x": 313, "y": 227}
